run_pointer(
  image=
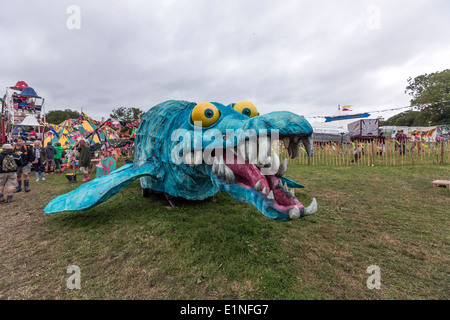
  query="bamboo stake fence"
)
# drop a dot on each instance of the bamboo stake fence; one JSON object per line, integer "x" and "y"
{"x": 371, "y": 153}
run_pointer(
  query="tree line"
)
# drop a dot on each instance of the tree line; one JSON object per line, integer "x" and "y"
{"x": 122, "y": 114}
{"x": 428, "y": 89}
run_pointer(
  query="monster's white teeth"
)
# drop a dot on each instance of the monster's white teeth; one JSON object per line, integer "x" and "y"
{"x": 229, "y": 175}
{"x": 291, "y": 193}
{"x": 293, "y": 145}
{"x": 285, "y": 188}
{"x": 308, "y": 143}
{"x": 257, "y": 186}
{"x": 275, "y": 163}
{"x": 264, "y": 149}
{"x": 256, "y": 149}
{"x": 282, "y": 169}
{"x": 294, "y": 213}
{"x": 280, "y": 184}
{"x": 312, "y": 208}
{"x": 271, "y": 196}
{"x": 222, "y": 171}
{"x": 264, "y": 192}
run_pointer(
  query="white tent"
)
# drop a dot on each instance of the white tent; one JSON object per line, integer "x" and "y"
{"x": 30, "y": 121}
{"x": 324, "y": 132}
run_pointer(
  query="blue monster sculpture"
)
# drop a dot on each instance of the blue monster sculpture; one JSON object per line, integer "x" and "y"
{"x": 190, "y": 150}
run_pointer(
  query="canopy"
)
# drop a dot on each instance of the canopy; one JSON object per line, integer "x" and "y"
{"x": 63, "y": 139}
{"x": 87, "y": 127}
{"x": 103, "y": 135}
{"x": 20, "y": 85}
{"x": 68, "y": 123}
{"x": 30, "y": 121}
{"x": 29, "y": 92}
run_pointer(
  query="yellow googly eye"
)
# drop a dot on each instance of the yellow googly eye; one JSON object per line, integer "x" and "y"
{"x": 206, "y": 113}
{"x": 247, "y": 108}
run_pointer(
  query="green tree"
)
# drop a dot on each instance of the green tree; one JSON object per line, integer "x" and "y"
{"x": 58, "y": 116}
{"x": 126, "y": 115}
{"x": 431, "y": 89}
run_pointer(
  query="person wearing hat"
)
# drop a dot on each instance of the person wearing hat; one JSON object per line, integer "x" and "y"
{"x": 8, "y": 172}
{"x": 21, "y": 151}
{"x": 85, "y": 159}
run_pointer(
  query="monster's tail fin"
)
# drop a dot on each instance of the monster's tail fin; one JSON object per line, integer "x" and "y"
{"x": 100, "y": 189}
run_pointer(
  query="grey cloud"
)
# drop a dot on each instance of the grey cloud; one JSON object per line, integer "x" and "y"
{"x": 302, "y": 56}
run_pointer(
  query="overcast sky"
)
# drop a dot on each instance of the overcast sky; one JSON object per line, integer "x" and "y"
{"x": 303, "y": 56}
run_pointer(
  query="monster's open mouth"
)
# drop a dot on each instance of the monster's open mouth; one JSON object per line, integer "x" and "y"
{"x": 254, "y": 174}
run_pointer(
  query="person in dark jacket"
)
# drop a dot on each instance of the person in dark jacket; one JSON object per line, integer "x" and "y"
{"x": 8, "y": 172}
{"x": 50, "y": 153}
{"x": 85, "y": 159}
{"x": 39, "y": 160}
{"x": 21, "y": 151}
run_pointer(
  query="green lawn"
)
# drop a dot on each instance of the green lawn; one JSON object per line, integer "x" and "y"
{"x": 136, "y": 248}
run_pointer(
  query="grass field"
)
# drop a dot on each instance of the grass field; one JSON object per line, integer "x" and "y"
{"x": 136, "y": 248}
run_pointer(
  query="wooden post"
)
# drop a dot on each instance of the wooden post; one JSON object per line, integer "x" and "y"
{"x": 393, "y": 151}
{"x": 372, "y": 151}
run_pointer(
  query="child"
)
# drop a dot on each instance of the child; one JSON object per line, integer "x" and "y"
{"x": 39, "y": 159}
{"x": 58, "y": 156}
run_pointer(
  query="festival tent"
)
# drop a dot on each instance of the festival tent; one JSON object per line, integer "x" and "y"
{"x": 98, "y": 134}
{"x": 87, "y": 127}
{"x": 30, "y": 121}
{"x": 63, "y": 129}
{"x": 103, "y": 135}
{"x": 324, "y": 132}
{"x": 29, "y": 93}
{"x": 20, "y": 85}
{"x": 69, "y": 123}
{"x": 70, "y": 130}
{"x": 63, "y": 139}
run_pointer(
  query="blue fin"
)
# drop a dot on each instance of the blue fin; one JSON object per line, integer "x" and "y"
{"x": 100, "y": 189}
{"x": 292, "y": 184}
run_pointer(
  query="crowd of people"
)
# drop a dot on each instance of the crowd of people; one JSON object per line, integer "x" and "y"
{"x": 17, "y": 160}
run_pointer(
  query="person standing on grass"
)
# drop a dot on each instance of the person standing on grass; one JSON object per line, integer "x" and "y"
{"x": 50, "y": 153}
{"x": 402, "y": 139}
{"x": 381, "y": 143}
{"x": 8, "y": 172}
{"x": 85, "y": 159}
{"x": 21, "y": 151}
{"x": 357, "y": 153}
{"x": 58, "y": 156}
{"x": 39, "y": 160}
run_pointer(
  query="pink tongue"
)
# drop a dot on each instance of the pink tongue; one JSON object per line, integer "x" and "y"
{"x": 248, "y": 173}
